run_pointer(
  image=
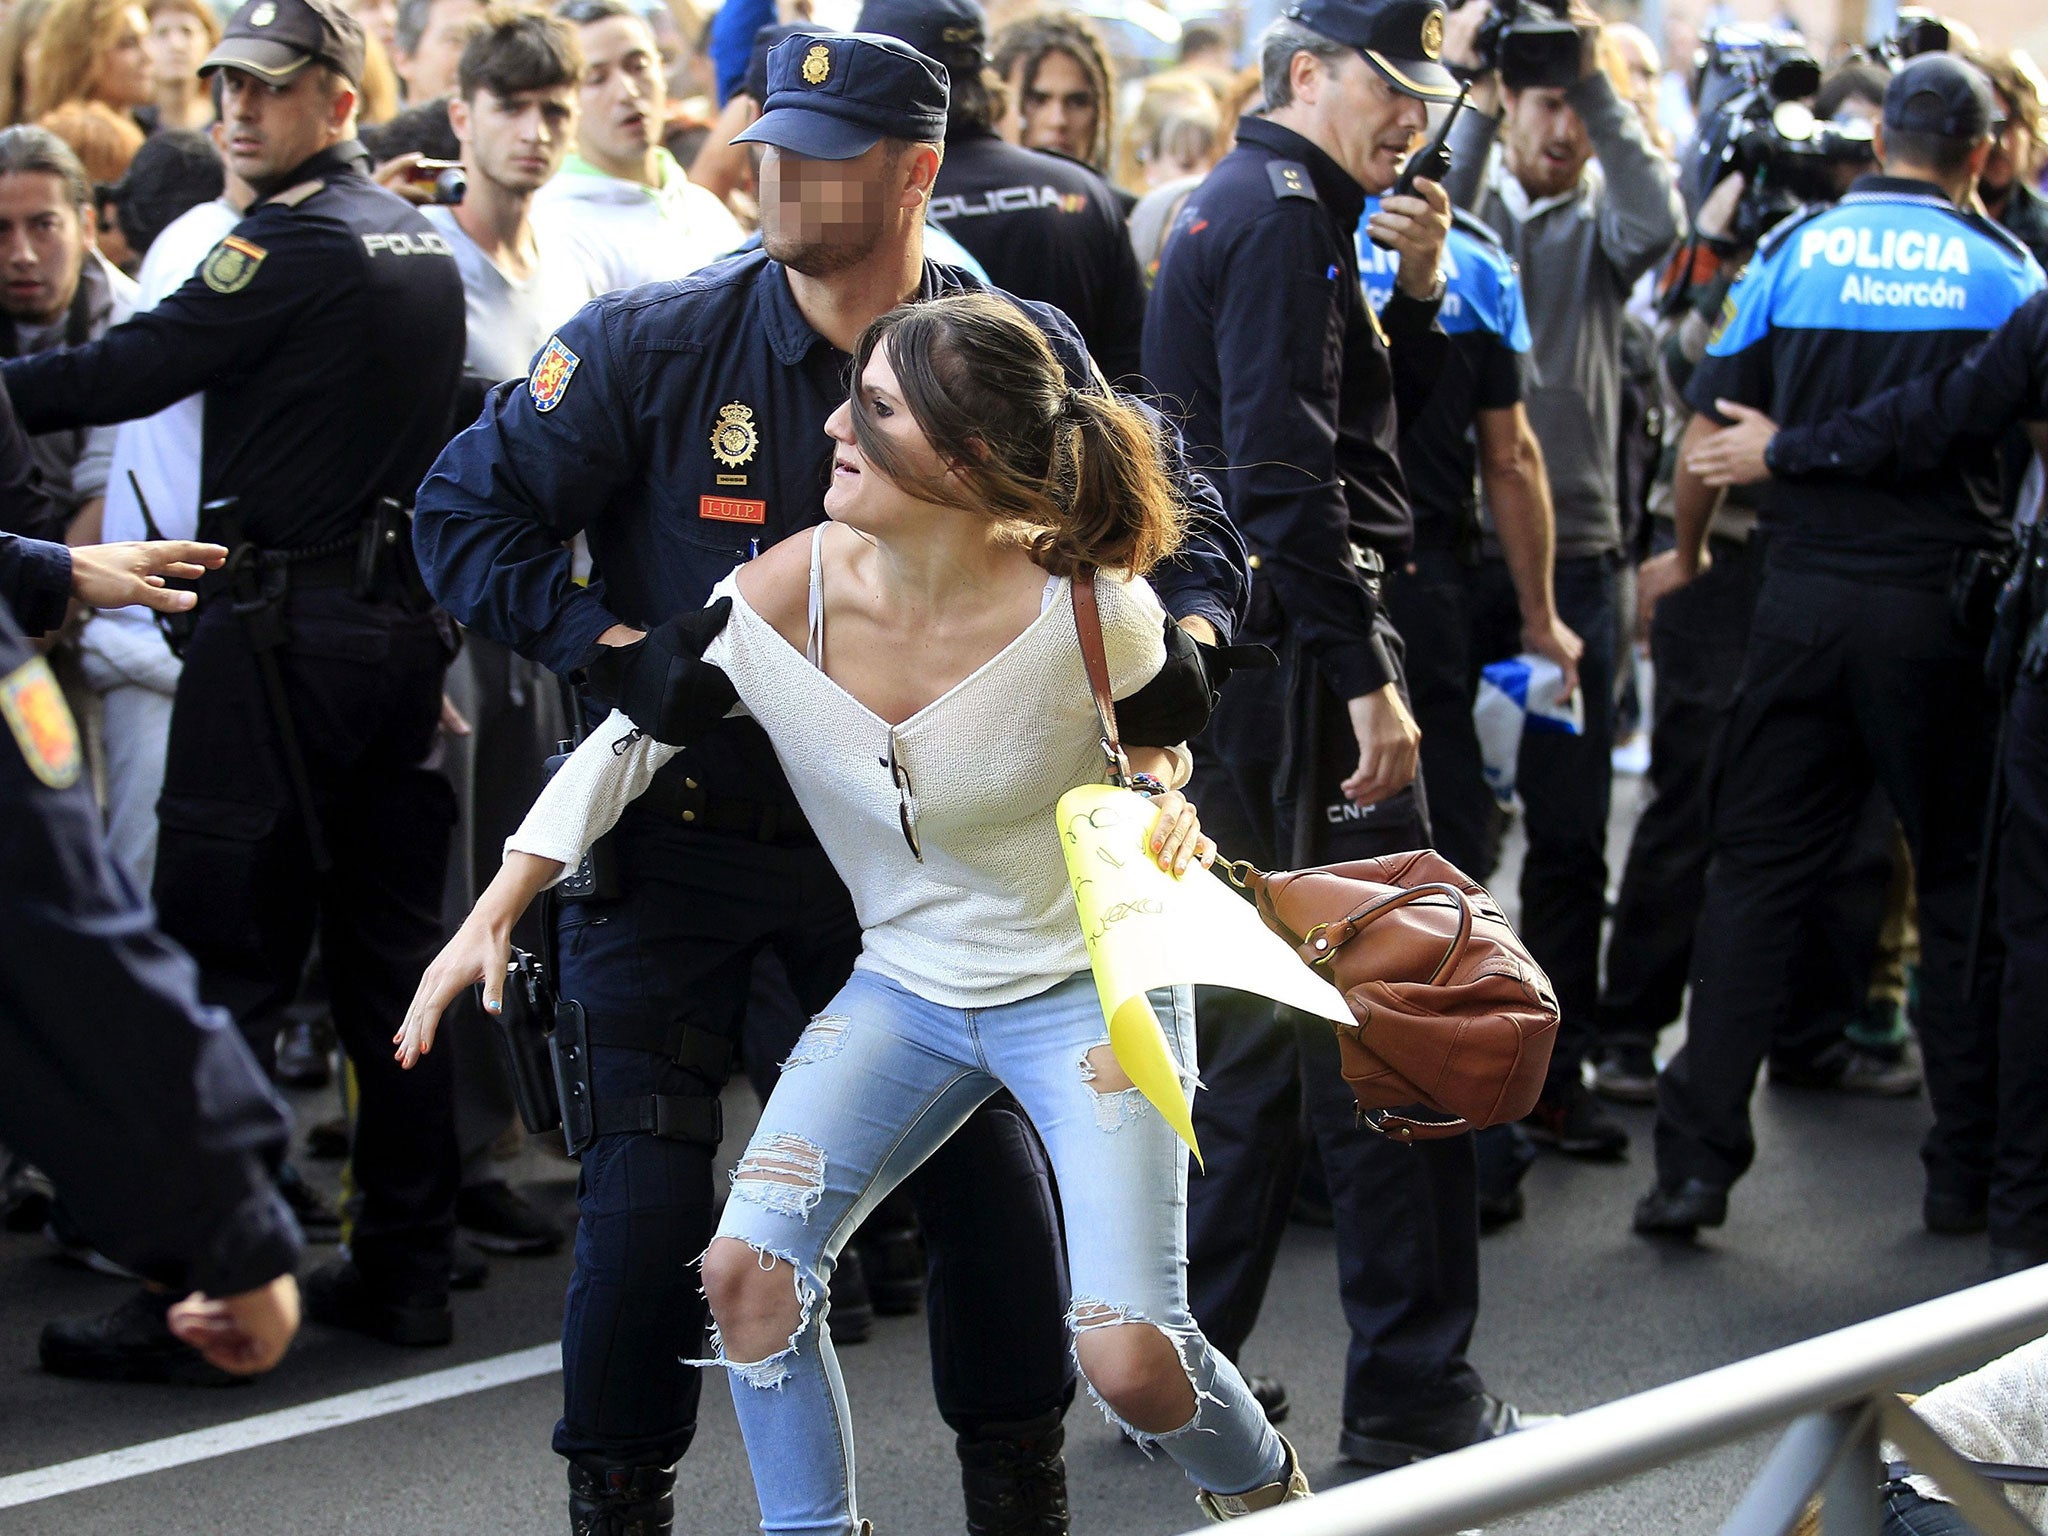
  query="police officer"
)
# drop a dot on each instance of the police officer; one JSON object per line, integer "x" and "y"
{"x": 327, "y": 334}
{"x": 680, "y": 429}
{"x": 1041, "y": 225}
{"x": 1912, "y": 430}
{"x": 1444, "y": 599}
{"x": 1259, "y": 327}
{"x": 154, "y": 1120}
{"x": 1856, "y": 670}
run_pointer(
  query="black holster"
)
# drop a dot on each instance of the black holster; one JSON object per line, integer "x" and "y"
{"x": 523, "y": 1025}
{"x": 1973, "y": 592}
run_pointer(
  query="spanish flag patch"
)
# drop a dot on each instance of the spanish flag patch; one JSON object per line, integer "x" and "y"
{"x": 41, "y": 722}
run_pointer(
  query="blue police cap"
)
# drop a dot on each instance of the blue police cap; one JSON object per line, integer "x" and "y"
{"x": 1942, "y": 95}
{"x": 756, "y": 82}
{"x": 945, "y": 30}
{"x": 1402, "y": 39}
{"x": 832, "y": 96}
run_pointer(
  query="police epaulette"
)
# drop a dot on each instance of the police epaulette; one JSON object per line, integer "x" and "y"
{"x": 291, "y": 197}
{"x": 1776, "y": 235}
{"x": 1290, "y": 178}
{"x": 1477, "y": 227}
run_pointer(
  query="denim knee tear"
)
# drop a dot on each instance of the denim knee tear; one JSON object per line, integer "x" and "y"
{"x": 771, "y": 1373}
{"x": 820, "y": 1041}
{"x": 1117, "y": 1103}
{"x": 1086, "y": 1314}
{"x": 783, "y": 1172}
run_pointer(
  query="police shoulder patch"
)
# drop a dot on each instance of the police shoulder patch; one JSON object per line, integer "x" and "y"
{"x": 1290, "y": 179}
{"x": 552, "y": 371}
{"x": 231, "y": 266}
{"x": 41, "y": 723}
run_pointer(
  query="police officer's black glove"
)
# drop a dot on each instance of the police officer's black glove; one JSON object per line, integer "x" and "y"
{"x": 1176, "y": 704}
{"x": 663, "y": 684}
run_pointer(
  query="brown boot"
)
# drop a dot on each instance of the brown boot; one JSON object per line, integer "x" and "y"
{"x": 1229, "y": 1506}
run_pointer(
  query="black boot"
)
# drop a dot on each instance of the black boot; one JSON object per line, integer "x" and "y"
{"x": 621, "y": 1501}
{"x": 1015, "y": 1478}
{"x": 131, "y": 1343}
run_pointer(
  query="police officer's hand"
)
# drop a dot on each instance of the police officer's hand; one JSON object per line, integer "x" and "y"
{"x": 1416, "y": 226}
{"x": 121, "y": 575}
{"x": 1656, "y": 579}
{"x": 1389, "y": 744}
{"x": 245, "y": 1334}
{"x": 1735, "y": 455}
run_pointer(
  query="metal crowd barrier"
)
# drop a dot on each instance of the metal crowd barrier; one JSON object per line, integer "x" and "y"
{"x": 1834, "y": 1396}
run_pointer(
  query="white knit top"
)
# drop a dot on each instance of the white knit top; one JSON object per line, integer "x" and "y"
{"x": 988, "y": 917}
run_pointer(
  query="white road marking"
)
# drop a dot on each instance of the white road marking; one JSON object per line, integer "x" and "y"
{"x": 285, "y": 1424}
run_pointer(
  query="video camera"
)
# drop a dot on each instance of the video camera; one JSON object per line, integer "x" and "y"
{"x": 1530, "y": 42}
{"x": 1913, "y": 33}
{"x": 1754, "y": 119}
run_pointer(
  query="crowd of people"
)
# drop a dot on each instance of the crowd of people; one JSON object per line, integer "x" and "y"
{"x": 462, "y": 353}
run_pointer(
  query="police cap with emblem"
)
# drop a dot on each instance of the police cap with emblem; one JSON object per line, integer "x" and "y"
{"x": 755, "y": 83}
{"x": 951, "y": 31}
{"x": 832, "y": 96}
{"x": 275, "y": 39}
{"x": 1941, "y": 95}
{"x": 1402, "y": 39}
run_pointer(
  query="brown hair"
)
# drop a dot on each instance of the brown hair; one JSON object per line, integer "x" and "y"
{"x": 2016, "y": 77}
{"x": 518, "y": 51}
{"x": 23, "y": 22}
{"x": 1030, "y": 38}
{"x": 198, "y": 10}
{"x": 104, "y": 140}
{"x": 76, "y": 36}
{"x": 1078, "y": 473}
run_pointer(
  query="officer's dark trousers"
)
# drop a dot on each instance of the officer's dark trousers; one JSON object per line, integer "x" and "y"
{"x": 1844, "y": 683}
{"x": 2019, "y": 1177}
{"x": 235, "y": 881}
{"x": 675, "y": 950}
{"x": 1565, "y": 782}
{"x": 1697, "y": 639}
{"x": 1406, "y": 1216}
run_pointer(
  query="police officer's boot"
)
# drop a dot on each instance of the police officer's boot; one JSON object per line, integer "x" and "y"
{"x": 620, "y": 1501}
{"x": 133, "y": 1342}
{"x": 1015, "y": 1478}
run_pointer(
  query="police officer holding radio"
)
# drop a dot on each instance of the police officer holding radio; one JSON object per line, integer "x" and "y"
{"x": 1259, "y": 328}
{"x": 680, "y": 428}
{"x": 1864, "y": 661}
{"x": 327, "y": 334}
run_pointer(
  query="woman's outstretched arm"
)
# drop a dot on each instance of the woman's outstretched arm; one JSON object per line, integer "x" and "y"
{"x": 480, "y": 951}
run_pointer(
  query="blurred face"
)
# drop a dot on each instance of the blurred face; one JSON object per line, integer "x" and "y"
{"x": 819, "y": 217}
{"x": 2011, "y": 148}
{"x": 516, "y": 143}
{"x": 124, "y": 78}
{"x": 1544, "y": 142}
{"x": 272, "y": 130}
{"x": 378, "y": 18}
{"x": 1359, "y": 121}
{"x": 177, "y": 42}
{"x": 1636, "y": 66}
{"x": 432, "y": 70}
{"x": 624, "y": 98}
{"x": 42, "y": 246}
{"x": 860, "y": 496}
{"x": 1057, "y": 107}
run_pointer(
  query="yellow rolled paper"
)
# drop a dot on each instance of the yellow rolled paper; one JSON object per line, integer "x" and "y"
{"x": 1147, "y": 929}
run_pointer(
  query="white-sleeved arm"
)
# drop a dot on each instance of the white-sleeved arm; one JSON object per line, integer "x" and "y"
{"x": 589, "y": 792}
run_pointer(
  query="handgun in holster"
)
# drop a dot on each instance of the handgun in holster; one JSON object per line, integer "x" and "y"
{"x": 523, "y": 1024}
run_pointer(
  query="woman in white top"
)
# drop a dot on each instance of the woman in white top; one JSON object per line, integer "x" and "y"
{"x": 917, "y": 665}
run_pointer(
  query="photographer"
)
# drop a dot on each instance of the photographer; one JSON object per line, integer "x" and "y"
{"x": 1582, "y": 235}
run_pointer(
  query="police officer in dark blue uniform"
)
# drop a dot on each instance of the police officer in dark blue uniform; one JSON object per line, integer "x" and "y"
{"x": 327, "y": 334}
{"x": 1259, "y": 329}
{"x": 153, "y": 1118}
{"x": 679, "y": 427}
{"x": 1042, "y": 226}
{"x": 1858, "y": 669}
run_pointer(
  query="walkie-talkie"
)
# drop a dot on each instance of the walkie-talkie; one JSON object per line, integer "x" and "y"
{"x": 1432, "y": 160}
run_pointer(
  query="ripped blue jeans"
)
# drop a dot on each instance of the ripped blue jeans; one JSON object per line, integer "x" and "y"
{"x": 876, "y": 1084}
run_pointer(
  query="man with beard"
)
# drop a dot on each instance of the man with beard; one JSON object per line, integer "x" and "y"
{"x": 621, "y": 196}
{"x": 681, "y": 430}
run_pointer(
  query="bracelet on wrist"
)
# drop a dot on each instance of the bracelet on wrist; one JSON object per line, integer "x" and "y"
{"x": 1148, "y": 784}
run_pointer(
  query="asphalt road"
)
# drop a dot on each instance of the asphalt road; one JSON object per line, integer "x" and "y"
{"x": 1577, "y": 1311}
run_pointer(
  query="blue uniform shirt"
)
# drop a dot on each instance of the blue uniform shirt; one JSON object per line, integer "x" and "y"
{"x": 680, "y": 428}
{"x": 1489, "y": 351}
{"x": 1891, "y": 282}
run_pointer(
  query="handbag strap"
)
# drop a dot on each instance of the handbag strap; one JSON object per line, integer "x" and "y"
{"x": 1088, "y": 622}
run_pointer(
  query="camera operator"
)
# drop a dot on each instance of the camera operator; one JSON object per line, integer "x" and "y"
{"x": 1582, "y": 235}
{"x": 1856, "y": 671}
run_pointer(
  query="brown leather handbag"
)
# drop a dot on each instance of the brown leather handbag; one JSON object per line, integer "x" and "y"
{"x": 1450, "y": 1014}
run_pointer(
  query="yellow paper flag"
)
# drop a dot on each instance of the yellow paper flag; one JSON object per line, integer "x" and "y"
{"x": 1147, "y": 929}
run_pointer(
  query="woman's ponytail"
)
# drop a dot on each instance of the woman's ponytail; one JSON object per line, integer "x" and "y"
{"x": 1119, "y": 511}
